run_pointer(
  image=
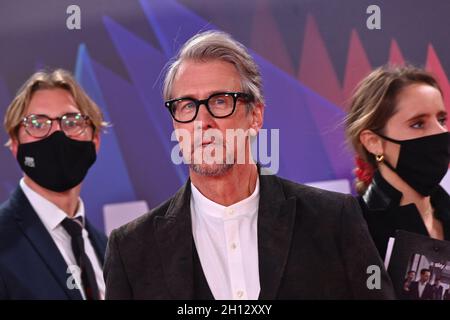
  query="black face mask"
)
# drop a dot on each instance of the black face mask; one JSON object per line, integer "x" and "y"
{"x": 57, "y": 162}
{"x": 422, "y": 162}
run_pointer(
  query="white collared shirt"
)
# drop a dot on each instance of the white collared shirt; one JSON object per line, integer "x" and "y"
{"x": 226, "y": 240}
{"x": 51, "y": 216}
{"x": 421, "y": 286}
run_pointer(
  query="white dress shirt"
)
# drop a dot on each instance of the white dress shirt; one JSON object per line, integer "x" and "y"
{"x": 226, "y": 240}
{"x": 51, "y": 216}
{"x": 421, "y": 286}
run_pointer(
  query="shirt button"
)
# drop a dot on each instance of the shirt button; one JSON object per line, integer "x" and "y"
{"x": 233, "y": 246}
{"x": 230, "y": 211}
{"x": 240, "y": 294}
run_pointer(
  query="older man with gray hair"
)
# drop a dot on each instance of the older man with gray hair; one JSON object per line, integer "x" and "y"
{"x": 232, "y": 232}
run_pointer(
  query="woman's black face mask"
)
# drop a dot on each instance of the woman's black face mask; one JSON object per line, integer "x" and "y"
{"x": 422, "y": 162}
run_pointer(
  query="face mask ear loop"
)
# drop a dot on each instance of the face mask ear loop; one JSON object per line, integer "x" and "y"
{"x": 388, "y": 165}
{"x": 382, "y": 159}
{"x": 94, "y": 130}
{"x": 388, "y": 139}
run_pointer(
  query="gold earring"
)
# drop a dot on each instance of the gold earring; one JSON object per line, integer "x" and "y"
{"x": 379, "y": 158}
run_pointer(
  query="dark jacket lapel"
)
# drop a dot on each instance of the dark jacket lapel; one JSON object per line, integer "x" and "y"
{"x": 276, "y": 220}
{"x": 173, "y": 233}
{"x": 40, "y": 240}
{"x": 276, "y": 217}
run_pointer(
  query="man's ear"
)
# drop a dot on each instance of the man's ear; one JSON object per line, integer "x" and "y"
{"x": 372, "y": 142}
{"x": 14, "y": 146}
{"x": 257, "y": 114}
{"x": 96, "y": 140}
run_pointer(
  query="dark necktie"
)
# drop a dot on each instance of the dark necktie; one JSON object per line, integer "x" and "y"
{"x": 74, "y": 228}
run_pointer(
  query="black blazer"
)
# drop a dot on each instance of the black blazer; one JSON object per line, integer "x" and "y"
{"x": 313, "y": 244}
{"x": 31, "y": 266}
{"x": 384, "y": 215}
{"x": 447, "y": 295}
{"x": 437, "y": 292}
{"x": 427, "y": 293}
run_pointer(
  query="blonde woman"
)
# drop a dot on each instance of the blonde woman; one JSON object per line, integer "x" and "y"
{"x": 397, "y": 124}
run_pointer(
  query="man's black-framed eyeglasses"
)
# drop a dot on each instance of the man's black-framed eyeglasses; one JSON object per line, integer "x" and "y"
{"x": 219, "y": 105}
{"x": 40, "y": 125}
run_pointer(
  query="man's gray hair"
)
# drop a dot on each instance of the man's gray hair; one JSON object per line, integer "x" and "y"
{"x": 217, "y": 45}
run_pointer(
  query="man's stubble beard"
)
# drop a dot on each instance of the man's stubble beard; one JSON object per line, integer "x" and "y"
{"x": 211, "y": 170}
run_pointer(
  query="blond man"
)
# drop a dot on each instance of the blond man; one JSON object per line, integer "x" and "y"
{"x": 48, "y": 249}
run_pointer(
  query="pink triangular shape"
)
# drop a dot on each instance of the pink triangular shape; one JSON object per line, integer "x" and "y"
{"x": 358, "y": 65}
{"x": 266, "y": 39}
{"x": 316, "y": 70}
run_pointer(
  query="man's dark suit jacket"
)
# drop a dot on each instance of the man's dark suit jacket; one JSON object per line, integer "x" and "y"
{"x": 31, "y": 266}
{"x": 437, "y": 292}
{"x": 313, "y": 244}
{"x": 447, "y": 295}
{"x": 427, "y": 293}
